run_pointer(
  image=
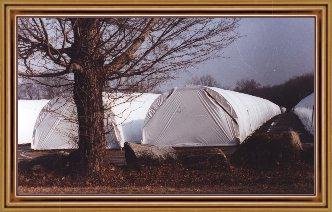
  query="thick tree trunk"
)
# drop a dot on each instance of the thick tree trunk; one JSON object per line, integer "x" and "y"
{"x": 89, "y": 103}
{"x": 86, "y": 64}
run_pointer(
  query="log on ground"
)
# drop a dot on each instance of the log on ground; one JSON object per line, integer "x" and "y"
{"x": 189, "y": 157}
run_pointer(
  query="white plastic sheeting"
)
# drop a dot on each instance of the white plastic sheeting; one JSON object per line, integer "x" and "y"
{"x": 28, "y": 111}
{"x": 205, "y": 116}
{"x": 128, "y": 116}
{"x": 305, "y": 111}
{"x": 57, "y": 127}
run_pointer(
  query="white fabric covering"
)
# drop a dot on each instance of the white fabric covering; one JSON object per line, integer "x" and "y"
{"x": 305, "y": 111}
{"x": 28, "y": 111}
{"x": 205, "y": 116}
{"x": 57, "y": 126}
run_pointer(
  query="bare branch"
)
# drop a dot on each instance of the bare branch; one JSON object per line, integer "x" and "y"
{"x": 55, "y": 74}
{"x": 120, "y": 61}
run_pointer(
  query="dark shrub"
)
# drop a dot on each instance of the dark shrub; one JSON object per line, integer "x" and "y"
{"x": 267, "y": 150}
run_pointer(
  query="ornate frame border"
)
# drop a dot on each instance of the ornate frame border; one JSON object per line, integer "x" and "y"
{"x": 320, "y": 9}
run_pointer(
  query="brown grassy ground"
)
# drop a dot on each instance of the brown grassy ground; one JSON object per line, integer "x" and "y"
{"x": 172, "y": 179}
{"x": 49, "y": 174}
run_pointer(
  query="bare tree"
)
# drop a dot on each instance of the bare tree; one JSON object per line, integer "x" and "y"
{"x": 120, "y": 52}
{"x": 248, "y": 86}
{"x": 26, "y": 90}
{"x": 43, "y": 88}
{"x": 205, "y": 80}
{"x": 287, "y": 94}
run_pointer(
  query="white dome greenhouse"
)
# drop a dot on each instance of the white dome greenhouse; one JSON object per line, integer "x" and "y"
{"x": 57, "y": 126}
{"x": 205, "y": 116}
{"x": 305, "y": 110}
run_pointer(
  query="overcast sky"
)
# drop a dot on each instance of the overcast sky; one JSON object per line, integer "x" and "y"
{"x": 271, "y": 50}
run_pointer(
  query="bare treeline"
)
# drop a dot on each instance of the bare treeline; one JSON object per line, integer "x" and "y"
{"x": 287, "y": 94}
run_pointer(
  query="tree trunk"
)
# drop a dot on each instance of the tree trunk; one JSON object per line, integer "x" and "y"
{"x": 88, "y": 87}
{"x": 89, "y": 103}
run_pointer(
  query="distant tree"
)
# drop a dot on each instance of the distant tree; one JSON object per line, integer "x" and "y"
{"x": 247, "y": 86}
{"x": 294, "y": 90}
{"x": 26, "y": 91}
{"x": 205, "y": 80}
{"x": 42, "y": 88}
{"x": 287, "y": 94}
{"x": 122, "y": 53}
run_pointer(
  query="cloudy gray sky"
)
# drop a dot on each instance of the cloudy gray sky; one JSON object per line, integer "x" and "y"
{"x": 271, "y": 50}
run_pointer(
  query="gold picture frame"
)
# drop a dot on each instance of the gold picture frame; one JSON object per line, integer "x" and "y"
{"x": 320, "y": 9}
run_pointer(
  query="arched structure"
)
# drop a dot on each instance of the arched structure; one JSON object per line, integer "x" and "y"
{"x": 205, "y": 116}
